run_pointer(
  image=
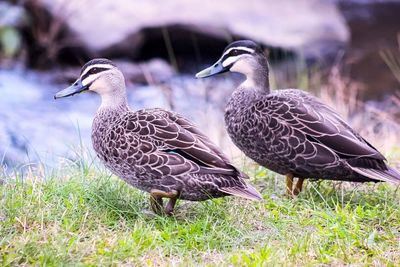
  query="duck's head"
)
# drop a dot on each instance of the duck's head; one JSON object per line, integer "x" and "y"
{"x": 98, "y": 75}
{"x": 245, "y": 57}
{"x": 241, "y": 56}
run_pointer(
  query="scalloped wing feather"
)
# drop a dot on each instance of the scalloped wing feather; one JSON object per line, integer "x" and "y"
{"x": 390, "y": 175}
{"x": 248, "y": 192}
{"x": 321, "y": 123}
{"x": 172, "y": 141}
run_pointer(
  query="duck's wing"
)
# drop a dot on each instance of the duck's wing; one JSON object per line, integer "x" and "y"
{"x": 330, "y": 136}
{"x": 319, "y": 123}
{"x": 189, "y": 126}
{"x": 176, "y": 147}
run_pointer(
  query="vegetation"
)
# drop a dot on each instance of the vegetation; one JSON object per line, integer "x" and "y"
{"x": 81, "y": 215}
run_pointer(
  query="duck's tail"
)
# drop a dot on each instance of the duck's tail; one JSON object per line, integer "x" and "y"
{"x": 248, "y": 192}
{"x": 390, "y": 175}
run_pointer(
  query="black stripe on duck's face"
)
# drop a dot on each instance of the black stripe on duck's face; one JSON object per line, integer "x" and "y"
{"x": 99, "y": 62}
{"x": 93, "y": 70}
{"x": 95, "y": 66}
{"x": 236, "y": 51}
{"x": 234, "y": 54}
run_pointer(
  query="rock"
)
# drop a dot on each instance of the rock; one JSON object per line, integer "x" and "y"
{"x": 308, "y": 27}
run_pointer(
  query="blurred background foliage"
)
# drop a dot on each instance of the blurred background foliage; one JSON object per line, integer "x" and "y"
{"x": 11, "y": 19}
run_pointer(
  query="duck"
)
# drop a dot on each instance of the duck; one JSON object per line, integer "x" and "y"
{"x": 290, "y": 131}
{"x": 155, "y": 150}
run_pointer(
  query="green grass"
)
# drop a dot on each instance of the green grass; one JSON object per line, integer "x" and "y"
{"x": 86, "y": 217}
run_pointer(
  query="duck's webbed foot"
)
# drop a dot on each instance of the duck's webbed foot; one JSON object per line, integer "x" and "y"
{"x": 156, "y": 201}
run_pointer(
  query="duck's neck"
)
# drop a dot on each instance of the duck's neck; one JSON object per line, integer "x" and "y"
{"x": 252, "y": 89}
{"x": 112, "y": 107}
{"x": 115, "y": 101}
{"x": 256, "y": 73}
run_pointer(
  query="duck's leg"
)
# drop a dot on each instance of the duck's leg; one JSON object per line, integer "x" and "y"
{"x": 289, "y": 184}
{"x": 169, "y": 209}
{"x": 157, "y": 203}
{"x": 298, "y": 187}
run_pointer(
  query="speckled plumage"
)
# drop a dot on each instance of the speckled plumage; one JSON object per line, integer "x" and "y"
{"x": 158, "y": 149}
{"x": 155, "y": 150}
{"x": 290, "y": 131}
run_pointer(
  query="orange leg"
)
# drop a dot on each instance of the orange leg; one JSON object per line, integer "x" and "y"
{"x": 169, "y": 209}
{"x": 289, "y": 184}
{"x": 299, "y": 186}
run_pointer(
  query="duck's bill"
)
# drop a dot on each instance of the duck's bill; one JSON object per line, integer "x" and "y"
{"x": 215, "y": 69}
{"x": 76, "y": 88}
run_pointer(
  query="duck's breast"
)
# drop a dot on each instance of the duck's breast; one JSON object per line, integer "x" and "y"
{"x": 116, "y": 147}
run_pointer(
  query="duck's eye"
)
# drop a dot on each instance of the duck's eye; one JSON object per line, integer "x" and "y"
{"x": 92, "y": 71}
{"x": 235, "y": 52}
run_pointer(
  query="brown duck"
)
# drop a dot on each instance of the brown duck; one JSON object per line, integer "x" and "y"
{"x": 155, "y": 150}
{"x": 290, "y": 131}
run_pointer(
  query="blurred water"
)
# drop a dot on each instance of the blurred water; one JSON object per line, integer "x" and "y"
{"x": 35, "y": 127}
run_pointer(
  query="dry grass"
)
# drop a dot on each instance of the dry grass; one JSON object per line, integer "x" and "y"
{"x": 379, "y": 123}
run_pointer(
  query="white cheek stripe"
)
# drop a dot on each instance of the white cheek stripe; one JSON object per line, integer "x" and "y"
{"x": 250, "y": 50}
{"x": 230, "y": 60}
{"x": 106, "y": 66}
{"x": 90, "y": 78}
